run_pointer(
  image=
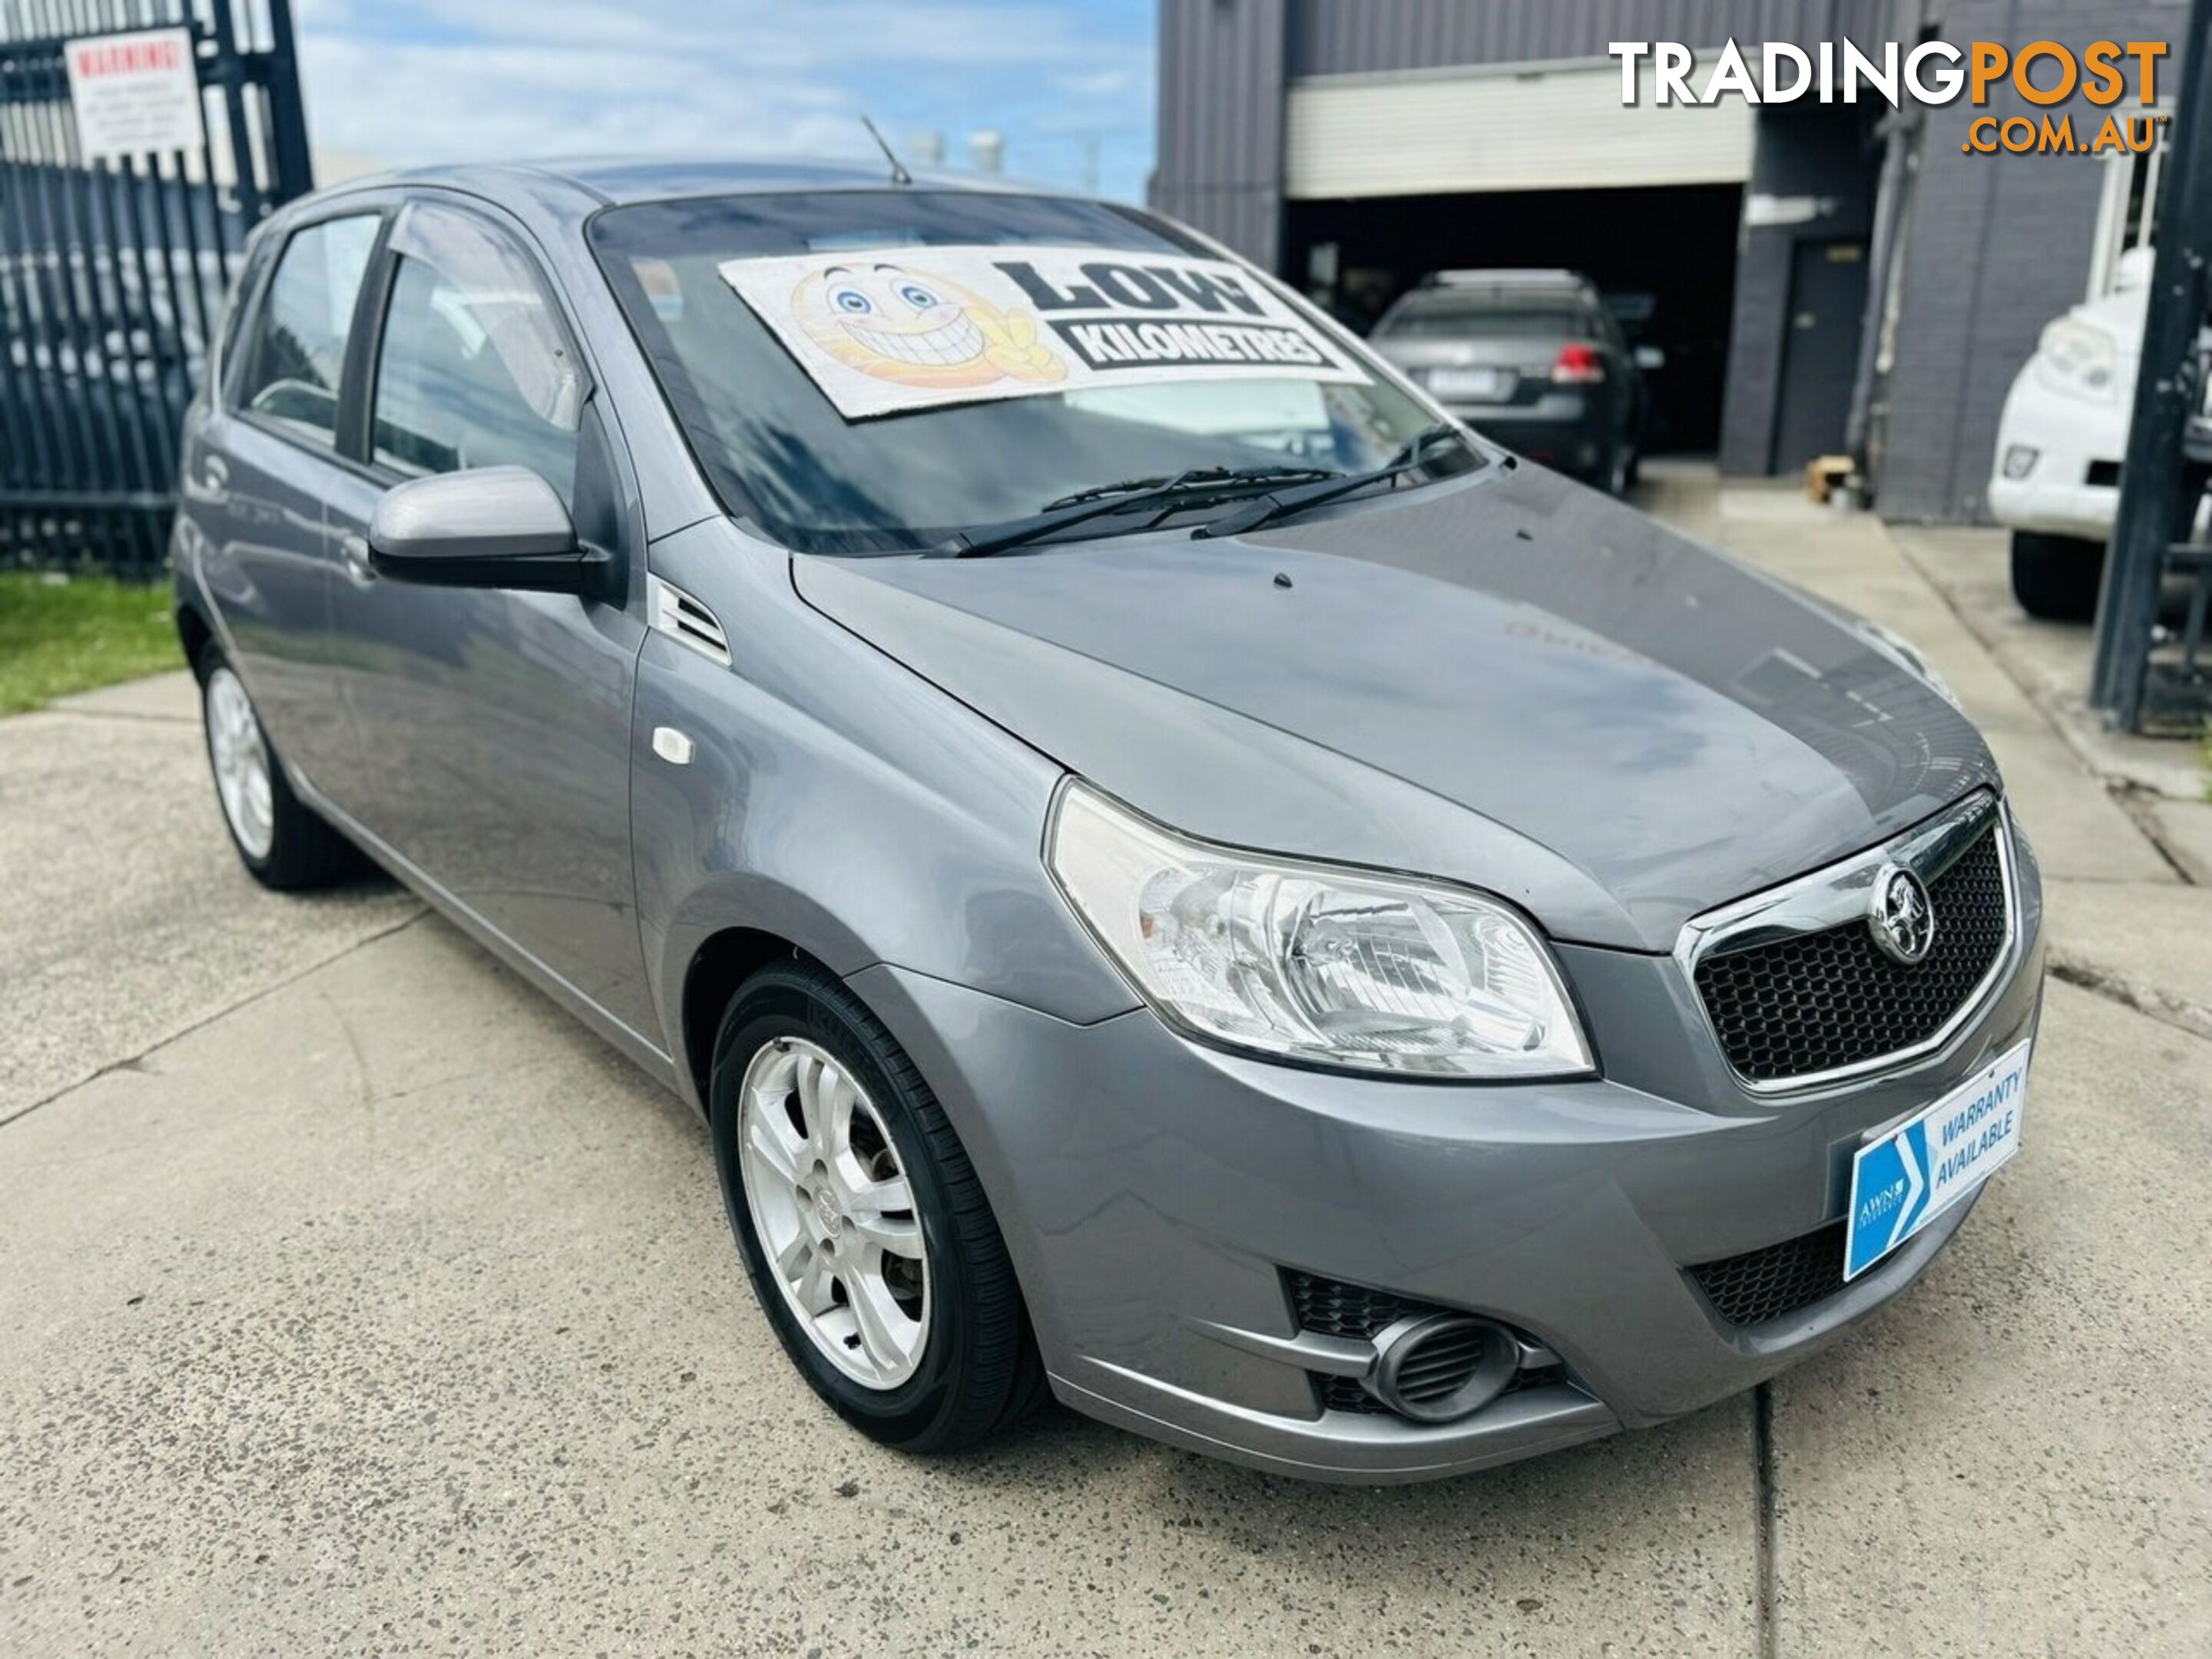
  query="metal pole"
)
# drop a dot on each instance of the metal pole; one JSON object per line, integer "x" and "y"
{"x": 1899, "y": 133}
{"x": 2158, "y": 498}
{"x": 288, "y": 120}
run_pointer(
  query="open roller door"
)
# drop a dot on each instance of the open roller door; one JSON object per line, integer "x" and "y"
{"x": 1391, "y": 177}
{"x": 1530, "y": 127}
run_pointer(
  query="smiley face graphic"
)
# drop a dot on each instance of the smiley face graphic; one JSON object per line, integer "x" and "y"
{"x": 919, "y": 329}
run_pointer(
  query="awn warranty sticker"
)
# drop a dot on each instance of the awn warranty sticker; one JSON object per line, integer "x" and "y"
{"x": 885, "y": 330}
{"x": 1903, "y": 1179}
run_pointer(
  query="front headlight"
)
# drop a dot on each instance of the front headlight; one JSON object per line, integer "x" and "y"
{"x": 2079, "y": 359}
{"x": 1325, "y": 966}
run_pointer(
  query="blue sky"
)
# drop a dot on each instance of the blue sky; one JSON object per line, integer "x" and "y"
{"x": 400, "y": 82}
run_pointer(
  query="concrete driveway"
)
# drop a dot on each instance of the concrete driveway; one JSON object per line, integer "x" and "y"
{"x": 354, "y": 1299}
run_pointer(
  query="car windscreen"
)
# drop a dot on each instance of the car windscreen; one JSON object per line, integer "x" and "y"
{"x": 779, "y": 452}
{"x": 1491, "y": 317}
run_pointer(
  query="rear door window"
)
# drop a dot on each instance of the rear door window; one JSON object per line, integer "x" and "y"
{"x": 475, "y": 369}
{"x": 290, "y": 377}
{"x": 1501, "y": 317}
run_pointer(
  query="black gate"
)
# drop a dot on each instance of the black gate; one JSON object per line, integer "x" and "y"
{"x": 2153, "y": 669}
{"x": 112, "y": 271}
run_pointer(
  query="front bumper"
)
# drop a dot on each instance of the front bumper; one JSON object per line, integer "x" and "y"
{"x": 2067, "y": 437}
{"x": 1153, "y": 1194}
{"x": 2055, "y": 509}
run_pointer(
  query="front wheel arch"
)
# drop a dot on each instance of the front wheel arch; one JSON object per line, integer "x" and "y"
{"x": 982, "y": 1372}
{"x": 722, "y": 964}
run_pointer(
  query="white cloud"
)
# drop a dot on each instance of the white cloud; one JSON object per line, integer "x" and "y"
{"x": 409, "y": 83}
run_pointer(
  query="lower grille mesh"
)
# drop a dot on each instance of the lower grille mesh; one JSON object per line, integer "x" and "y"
{"x": 1338, "y": 1309}
{"x": 1344, "y": 1394}
{"x": 1780, "y": 1279}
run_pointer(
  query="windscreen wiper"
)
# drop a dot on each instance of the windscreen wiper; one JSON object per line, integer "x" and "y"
{"x": 1271, "y": 472}
{"x": 1195, "y": 487}
{"x": 1272, "y": 505}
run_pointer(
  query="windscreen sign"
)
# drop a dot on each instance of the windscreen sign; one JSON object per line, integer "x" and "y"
{"x": 887, "y": 331}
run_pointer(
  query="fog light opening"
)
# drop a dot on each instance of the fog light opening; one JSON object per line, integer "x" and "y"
{"x": 2019, "y": 459}
{"x": 1440, "y": 1367}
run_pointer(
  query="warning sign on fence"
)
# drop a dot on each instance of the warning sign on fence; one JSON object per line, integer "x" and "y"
{"x": 134, "y": 93}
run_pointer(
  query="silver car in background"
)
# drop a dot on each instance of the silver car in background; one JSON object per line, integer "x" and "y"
{"x": 1177, "y": 878}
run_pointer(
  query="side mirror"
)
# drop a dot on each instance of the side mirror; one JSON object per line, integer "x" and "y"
{"x": 496, "y": 526}
{"x": 1649, "y": 357}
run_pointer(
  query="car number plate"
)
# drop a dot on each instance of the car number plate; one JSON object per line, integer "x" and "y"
{"x": 1905, "y": 1179}
{"x": 1484, "y": 384}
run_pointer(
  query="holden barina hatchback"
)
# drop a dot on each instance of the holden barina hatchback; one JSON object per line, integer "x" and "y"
{"x": 1176, "y": 875}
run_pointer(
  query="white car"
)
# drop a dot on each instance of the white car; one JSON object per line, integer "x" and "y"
{"x": 2055, "y": 483}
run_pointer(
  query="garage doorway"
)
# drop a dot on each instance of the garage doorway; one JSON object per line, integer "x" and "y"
{"x": 1663, "y": 256}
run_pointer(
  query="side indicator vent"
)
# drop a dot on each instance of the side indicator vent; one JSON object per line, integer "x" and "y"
{"x": 683, "y": 619}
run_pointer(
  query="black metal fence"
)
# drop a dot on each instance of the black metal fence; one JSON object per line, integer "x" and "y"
{"x": 2154, "y": 667}
{"x": 112, "y": 271}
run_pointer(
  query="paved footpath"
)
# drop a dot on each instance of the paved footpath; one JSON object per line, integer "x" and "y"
{"x": 356, "y": 1299}
{"x": 2017, "y": 1457}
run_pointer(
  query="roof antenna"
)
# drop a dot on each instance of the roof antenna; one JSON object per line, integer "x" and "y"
{"x": 899, "y": 175}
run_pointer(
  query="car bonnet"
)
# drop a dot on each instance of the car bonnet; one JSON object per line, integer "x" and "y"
{"x": 1670, "y": 727}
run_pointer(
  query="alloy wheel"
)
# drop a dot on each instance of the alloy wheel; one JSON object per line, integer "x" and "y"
{"x": 834, "y": 1215}
{"x": 240, "y": 758}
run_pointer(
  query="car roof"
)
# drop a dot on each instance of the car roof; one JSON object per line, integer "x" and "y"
{"x": 1507, "y": 278}
{"x": 583, "y": 185}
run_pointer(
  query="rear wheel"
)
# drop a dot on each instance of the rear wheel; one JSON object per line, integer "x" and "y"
{"x": 280, "y": 840}
{"x": 869, "y": 1241}
{"x": 2056, "y": 577}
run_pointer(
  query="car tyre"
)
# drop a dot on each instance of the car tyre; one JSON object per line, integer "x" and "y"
{"x": 1619, "y": 473}
{"x": 2056, "y": 577}
{"x": 280, "y": 841}
{"x": 945, "y": 1358}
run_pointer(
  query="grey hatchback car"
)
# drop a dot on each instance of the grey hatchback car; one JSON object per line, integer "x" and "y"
{"x": 1178, "y": 877}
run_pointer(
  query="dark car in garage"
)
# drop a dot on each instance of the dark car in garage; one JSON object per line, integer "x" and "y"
{"x": 1531, "y": 358}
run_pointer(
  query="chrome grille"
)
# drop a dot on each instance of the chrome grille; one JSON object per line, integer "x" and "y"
{"x": 1796, "y": 989}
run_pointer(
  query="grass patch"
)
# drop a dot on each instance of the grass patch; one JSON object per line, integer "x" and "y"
{"x": 57, "y": 637}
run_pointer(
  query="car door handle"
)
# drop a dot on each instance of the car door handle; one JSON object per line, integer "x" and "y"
{"x": 354, "y": 551}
